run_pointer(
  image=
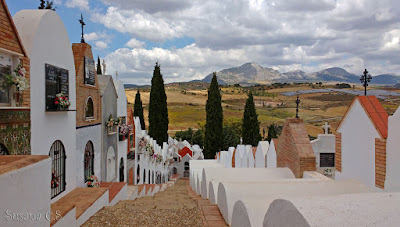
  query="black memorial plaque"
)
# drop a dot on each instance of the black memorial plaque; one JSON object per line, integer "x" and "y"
{"x": 57, "y": 81}
{"x": 327, "y": 159}
{"x": 89, "y": 71}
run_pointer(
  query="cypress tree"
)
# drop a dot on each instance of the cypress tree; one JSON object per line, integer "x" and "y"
{"x": 138, "y": 110}
{"x": 99, "y": 66}
{"x": 213, "y": 138}
{"x": 251, "y": 125}
{"x": 158, "y": 109}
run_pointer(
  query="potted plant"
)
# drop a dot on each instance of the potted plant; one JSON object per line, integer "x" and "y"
{"x": 124, "y": 131}
{"x": 54, "y": 180}
{"x": 18, "y": 83}
{"x": 142, "y": 145}
{"x": 61, "y": 101}
{"x": 111, "y": 124}
{"x": 93, "y": 182}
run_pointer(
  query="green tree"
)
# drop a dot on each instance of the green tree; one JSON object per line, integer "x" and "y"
{"x": 273, "y": 131}
{"x": 138, "y": 110}
{"x": 213, "y": 138}
{"x": 250, "y": 124}
{"x": 158, "y": 109}
{"x": 46, "y": 5}
{"x": 198, "y": 138}
{"x": 99, "y": 66}
{"x": 231, "y": 137}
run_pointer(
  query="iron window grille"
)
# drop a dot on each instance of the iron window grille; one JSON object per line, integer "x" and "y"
{"x": 89, "y": 160}
{"x": 57, "y": 154}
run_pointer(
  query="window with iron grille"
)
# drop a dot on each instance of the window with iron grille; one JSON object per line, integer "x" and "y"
{"x": 57, "y": 154}
{"x": 3, "y": 150}
{"x": 89, "y": 160}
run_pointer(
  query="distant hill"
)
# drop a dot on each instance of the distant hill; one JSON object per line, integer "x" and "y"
{"x": 252, "y": 73}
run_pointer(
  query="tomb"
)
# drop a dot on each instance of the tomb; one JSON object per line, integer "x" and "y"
{"x": 366, "y": 209}
{"x": 294, "y": 149}
{"x": 52, "y": 73}
{"x": 88, "y": 115}
{"x": 109, "y": 133}
{"x": 324, "y": 150}
{"x": 240, "y": 150}
{"x": 270, "y": 158}
{"x": 261, "y": 153}
{"x": 361, "y": 142}
{"x": 123, "y": 131}
{"x": 251, "y": 210}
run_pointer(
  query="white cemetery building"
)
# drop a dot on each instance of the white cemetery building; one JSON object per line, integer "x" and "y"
{"x": 261, "y": 154}
{"x": 361, "y": 140}
{"x": 324, "y": 150}
{"x": 270, "y": 158}
{"x": 392, "y": 158}
{"x": 88, "y": 115}
{"x": 109, "y": 132}
{"x": 46, "y": 41}
{"x": 123, "y": 131}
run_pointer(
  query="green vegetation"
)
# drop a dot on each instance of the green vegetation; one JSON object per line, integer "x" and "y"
{"x": 251, "y": 125}
{"x": 158, "y": 109}
{"x": 273, "y": 131}
{"x": 99, "y": 66}
{"x": 213, "y": 140}
{"x": 138, "y": 110}
{"x": 343, "y": 85}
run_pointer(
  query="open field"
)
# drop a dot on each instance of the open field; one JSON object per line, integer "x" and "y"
{"x": 186, "y": 108}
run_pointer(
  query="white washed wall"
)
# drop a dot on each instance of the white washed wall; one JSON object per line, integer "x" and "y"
{"x": 392, "y": 182}
{"x": 358, "y": 147}
{"x": 83, "y": 135}
{"x": 26, "y": 190}
{"x": 46, "y": 40}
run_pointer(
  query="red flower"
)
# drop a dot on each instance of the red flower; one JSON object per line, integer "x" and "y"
{"x": 56, "y": 102}
{"x": 61, "y": 98}
{"x": 56, "y": 98}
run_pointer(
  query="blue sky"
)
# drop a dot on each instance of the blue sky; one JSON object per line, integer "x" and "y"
{"x": 191, "y": 39}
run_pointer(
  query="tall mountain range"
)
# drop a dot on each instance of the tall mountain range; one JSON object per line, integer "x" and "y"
{"x": 252, "y": 73}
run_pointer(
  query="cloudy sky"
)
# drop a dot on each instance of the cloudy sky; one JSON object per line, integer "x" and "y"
{"x": 191, "y": 38}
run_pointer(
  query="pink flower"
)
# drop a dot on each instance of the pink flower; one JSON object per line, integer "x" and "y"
{"x": 56, "y": 102}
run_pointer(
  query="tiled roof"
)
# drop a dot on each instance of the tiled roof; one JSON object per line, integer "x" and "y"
{"x": 375, "y": 112}
{"x": 185, "y": 151}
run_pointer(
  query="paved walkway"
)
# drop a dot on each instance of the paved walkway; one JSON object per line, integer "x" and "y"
{"x": 173, "y": 207}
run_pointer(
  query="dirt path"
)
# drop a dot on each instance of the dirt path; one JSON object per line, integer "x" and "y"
{"x": 173, "y": 207}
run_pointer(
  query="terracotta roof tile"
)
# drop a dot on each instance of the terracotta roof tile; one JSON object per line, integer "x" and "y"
{"x": 375, "y": 112}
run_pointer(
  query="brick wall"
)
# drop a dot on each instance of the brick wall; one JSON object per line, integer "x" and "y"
{"x": 8, "y": 34}
{"x": 26, "y": 94}
{"x": 294, "y": 148}
{"x": 233, "y": 159}
{"x": 83, "y": 92}
{"x": 380, "y": 162}
{"x": 338, "y": 151}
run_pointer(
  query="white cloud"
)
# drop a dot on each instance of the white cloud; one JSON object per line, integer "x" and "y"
{"x": 287, "y": 34}
{"x": 91, "y": 36}
{"x": 134, "y": 43}
{"x": 81, "y": 4}
{"x": 100, "y": 45}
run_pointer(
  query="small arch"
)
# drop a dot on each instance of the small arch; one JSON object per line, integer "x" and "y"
{"x": 138, "y": 174}
{"x": 88, "y": 160}
{"x": 121, "y": 171}
{"x": 3, "y": 150}
{"x": 89, "y": 109}
{"x": 57, "y": 154}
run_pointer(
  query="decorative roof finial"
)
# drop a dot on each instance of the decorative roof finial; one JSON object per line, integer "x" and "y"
{"x": 82, "y": 24}
{"x": 365, "y": 79}
{"x": 297, "y": 106}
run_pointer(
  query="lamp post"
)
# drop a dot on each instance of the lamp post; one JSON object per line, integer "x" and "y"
{"x": 297, "y": 106}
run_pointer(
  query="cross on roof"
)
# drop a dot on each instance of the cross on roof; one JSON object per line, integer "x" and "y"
{"x": 326, "y": 128}
{"x": 297, "y": 106}
{"x": 82, "y": 24}
{"x": 365, "y": 79}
